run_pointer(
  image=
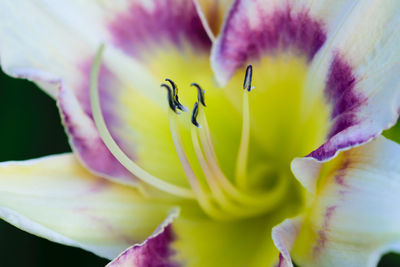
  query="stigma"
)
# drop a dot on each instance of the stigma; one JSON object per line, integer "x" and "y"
{"x": 247, "y": 78}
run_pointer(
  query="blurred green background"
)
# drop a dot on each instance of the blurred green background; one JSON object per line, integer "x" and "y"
{"x": 30, "y": 128}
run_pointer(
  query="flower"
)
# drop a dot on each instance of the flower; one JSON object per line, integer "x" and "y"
{"x": 211, "y": 187}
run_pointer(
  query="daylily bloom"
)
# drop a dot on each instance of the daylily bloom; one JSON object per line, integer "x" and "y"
{"x": 281, "y": 157}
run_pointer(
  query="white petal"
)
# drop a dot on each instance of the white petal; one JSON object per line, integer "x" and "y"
{"x": 55, "y": 198}
{"x": 358, "y": 69}
{"x": 353, "y": 218}
{"x": 353, "y": 63}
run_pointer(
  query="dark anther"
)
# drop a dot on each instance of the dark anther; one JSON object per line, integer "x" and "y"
{"x": 200, "y": 93}
{"x": 170, "y": 98}
{"x": 175, "y": 95}
{"x": 171, "y": 82}
{"x": 247, "y": 78}
{"x": 195, "y": 112}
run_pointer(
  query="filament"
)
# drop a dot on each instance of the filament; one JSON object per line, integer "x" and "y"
{"x": 240, "y": 201}
{"x": 241, "y": 162}
{"x": 113, "y": 146}
{"x": 218, "y": 197}
{"x": 208, "y": 173}
{"x": 205, "y": 201}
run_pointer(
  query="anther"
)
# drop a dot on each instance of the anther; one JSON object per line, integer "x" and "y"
{"x": 173, "y": 85}
{"x": 195, "y": 112}
{"x": 247, "y": 78}
{"x": 200, "y": 93}
{"x": 170, "y": 97}
{"x": 178, "y": 105}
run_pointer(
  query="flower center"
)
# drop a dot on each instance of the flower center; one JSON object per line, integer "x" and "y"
{"x": 220, "y": 198}
{"x": 235, "y": 146}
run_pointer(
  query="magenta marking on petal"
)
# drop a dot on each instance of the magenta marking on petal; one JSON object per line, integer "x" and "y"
{"x": 346, "y": 103}
{"x": 109, "y": 88}
{"x": 333, "y": 145}
{"x": 281, "y": 260}
{"x": 341, "y": 173}
{"x": 97, "y": 187}
{"x": 279, "y": 30}
{"x": 341, "y": 94}
{"x": 342, "y": 122}
{"x": 77, "y": 116}
{"x": 154, "y": 252}
{"x": 340, "y": 87}
{"x": 324, "y": 228}
{"x": 170, "y": 20}
{"x": 90, "y": 148}
{"x": 157, "y": 251}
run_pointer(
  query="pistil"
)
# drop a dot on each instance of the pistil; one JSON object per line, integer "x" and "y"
{"x": 241, "y": 162}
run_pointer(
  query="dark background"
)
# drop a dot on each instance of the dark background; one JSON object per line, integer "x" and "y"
{"x": 30, "y": 128}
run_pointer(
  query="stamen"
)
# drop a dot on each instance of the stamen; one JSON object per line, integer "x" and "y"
{"x": 233, "y": 201}
{"x": 241, "y": 162}
{"x": 264, "y": 201}
{"x": 113, "y": 146}
{"x": 200, "y": 94}
{"x": 170, "y": 97}
{"x": 226, "y": 202}
{"x": 205, "y": 136}
{"x": 205, "y": 201}
{"x": 211, "y": 157}
{"x": 210, "y": 164}
{"x": 208, "y": 173}
{"x": 175, "y": 96}
{"x": 195, "y": 112}
{"x": 182, "y": 154}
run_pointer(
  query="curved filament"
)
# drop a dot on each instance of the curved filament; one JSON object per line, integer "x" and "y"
{"x": 113, "y": 146}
